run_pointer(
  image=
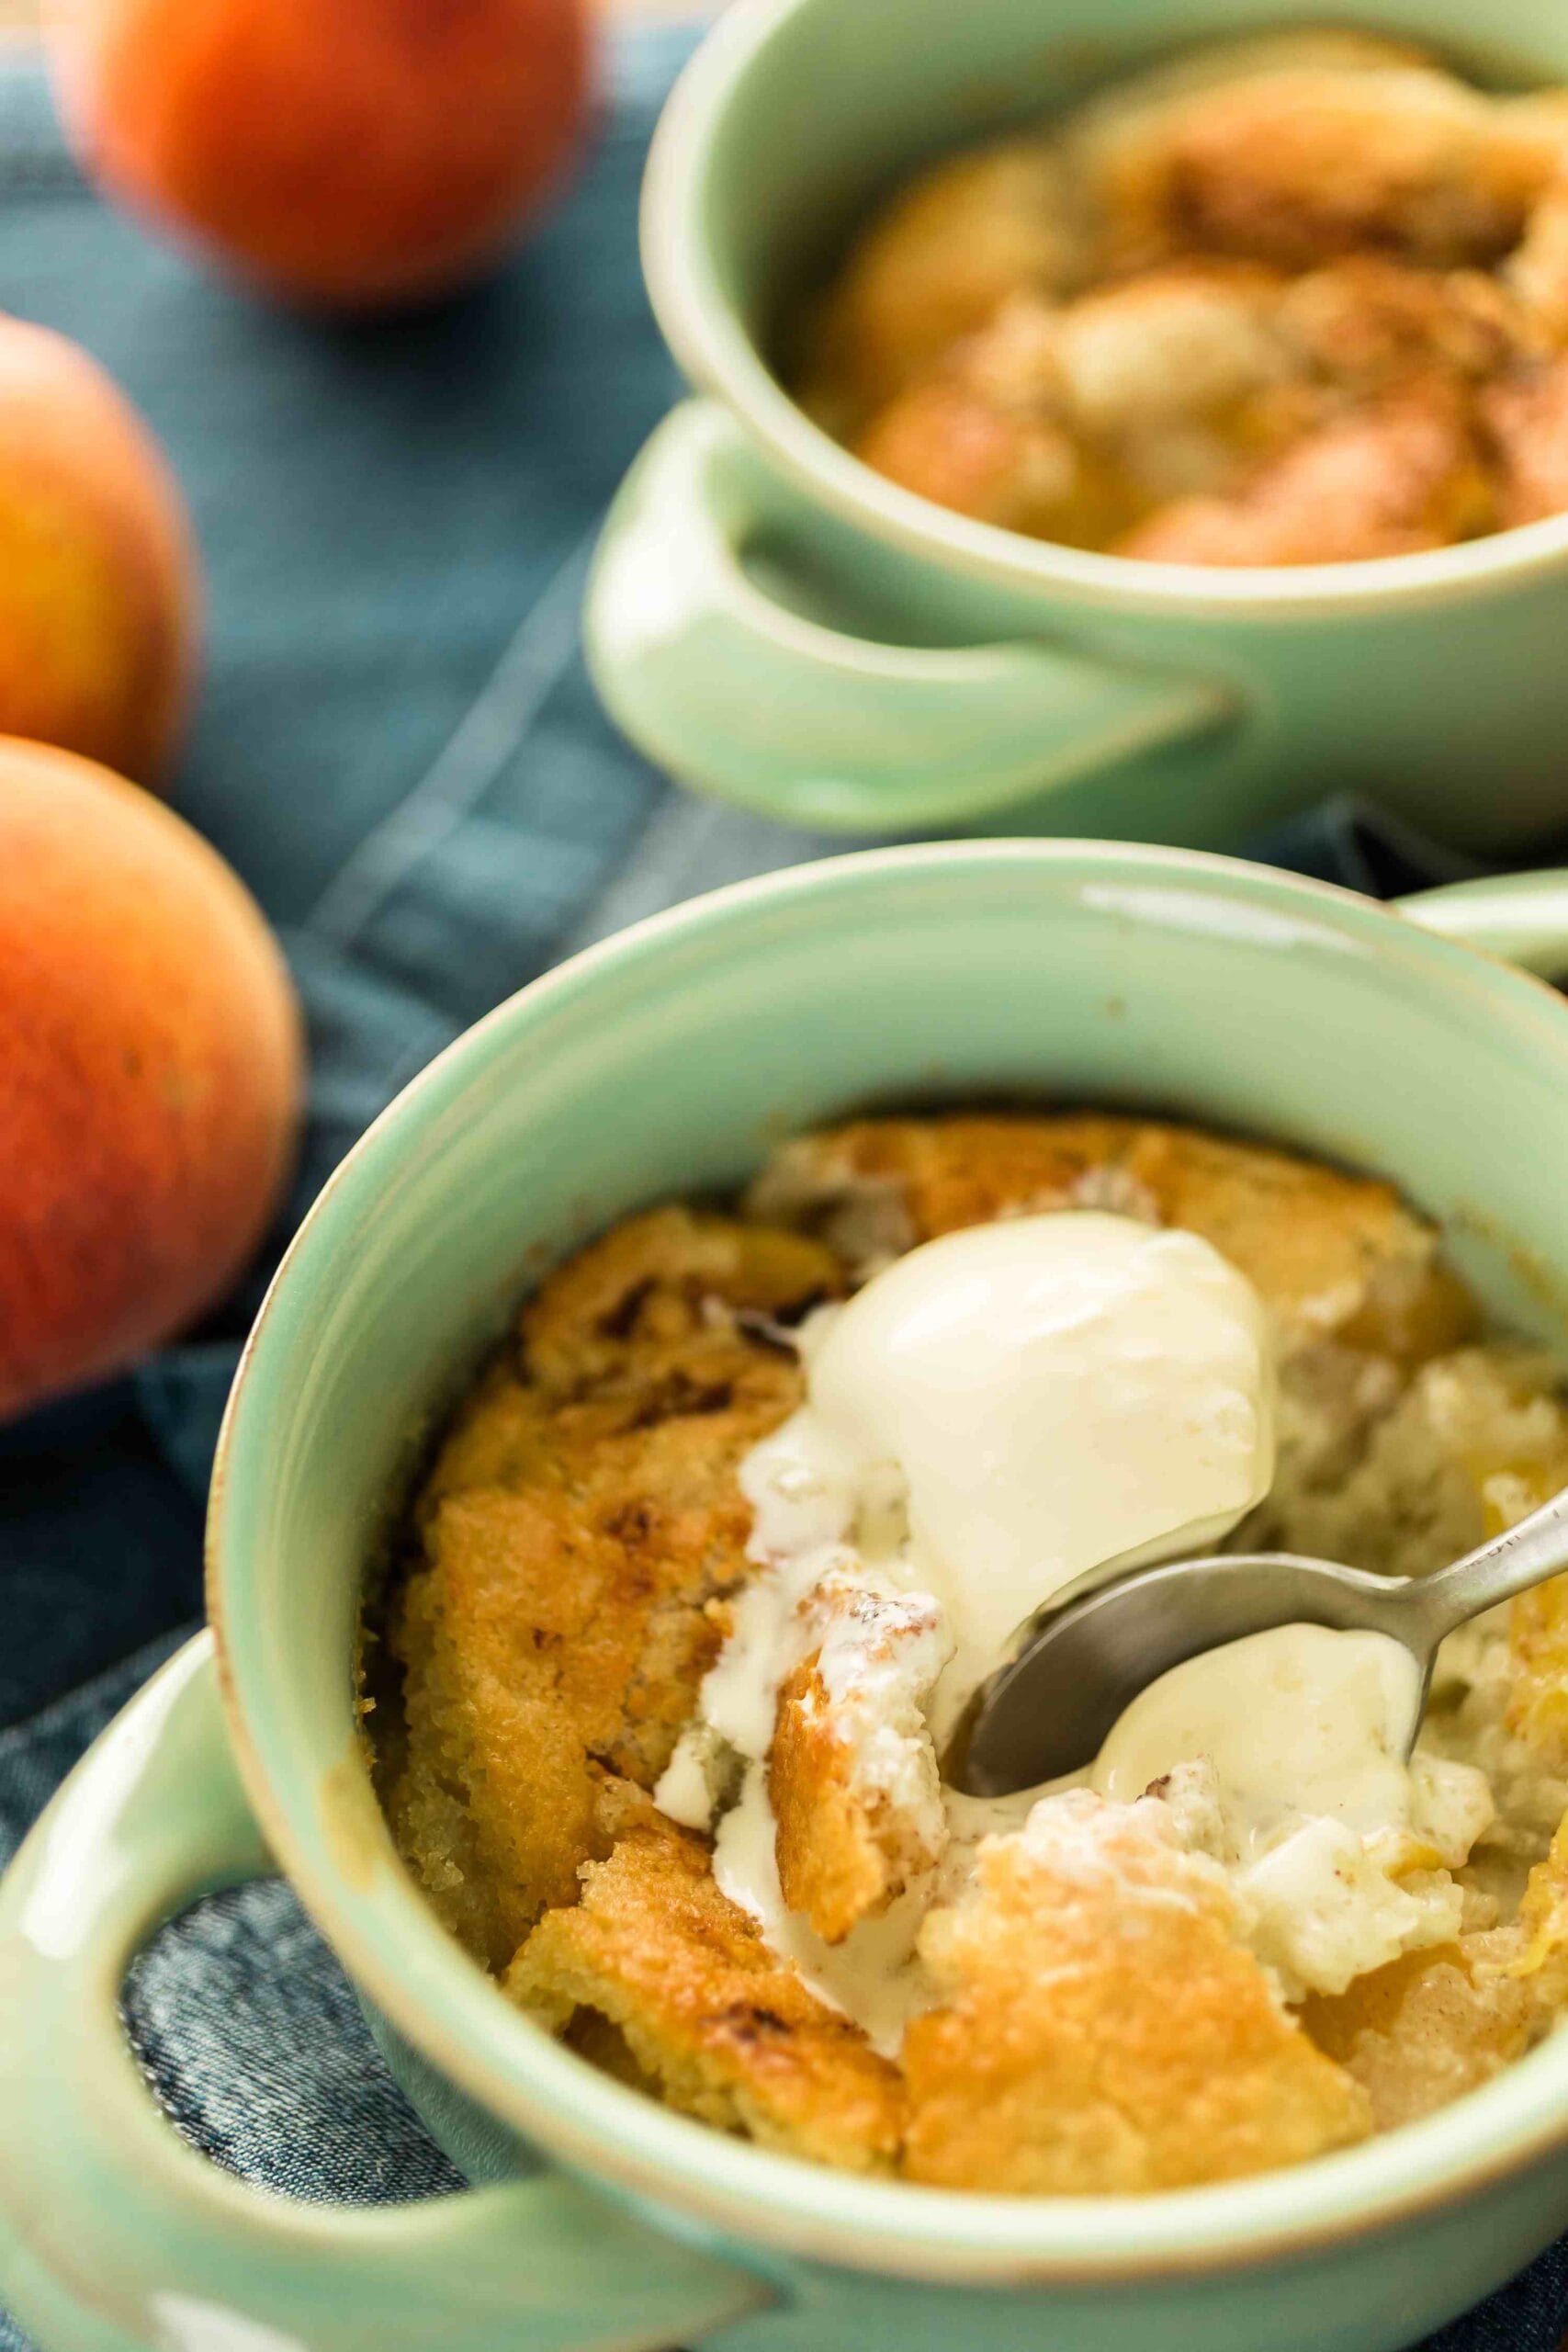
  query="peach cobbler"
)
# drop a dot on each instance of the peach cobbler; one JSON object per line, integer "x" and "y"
{"x": 1300, "y": 297}
{"x": 705, "y": 1569}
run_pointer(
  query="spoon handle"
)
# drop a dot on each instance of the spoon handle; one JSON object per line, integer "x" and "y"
{"x": 1511, "y": 1563}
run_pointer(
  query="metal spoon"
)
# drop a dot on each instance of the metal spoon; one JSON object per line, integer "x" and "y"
{"x": 1050, "y": 1711}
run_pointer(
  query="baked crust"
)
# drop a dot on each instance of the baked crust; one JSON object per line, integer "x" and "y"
{"x": 579, "y": 1533}
{"x": 835, "y": 1865}
{"x": 853, "y": 1775}
{"x": 1102, "y": 2031}
{"x": 1305, "y": 164}
{"x": 1330, "y": 1254}
{"x": 727, "y": 2032}
{"x": 1395, "y": 478}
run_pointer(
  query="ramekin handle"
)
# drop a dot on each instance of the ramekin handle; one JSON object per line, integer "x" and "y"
{"x": 117, "y": 2237}
{"x": 1523, "y": 918}
{"x": 750, "y": 702}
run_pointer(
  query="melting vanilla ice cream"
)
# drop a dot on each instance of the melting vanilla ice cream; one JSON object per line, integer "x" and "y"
{"x": 997, "y": 1415}
{"x": 1340, "y": 1707}
{"x": 1284, "y": 1756}
{"x": 1055, "y": 1394}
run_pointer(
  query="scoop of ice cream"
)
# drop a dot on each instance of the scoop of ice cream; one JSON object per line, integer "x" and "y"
{"x": 1058, "y": 1394}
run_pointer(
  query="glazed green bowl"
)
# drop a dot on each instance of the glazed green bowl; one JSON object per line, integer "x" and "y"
{"x": 779, "y": 626}
{"x": 673, "y": 1058}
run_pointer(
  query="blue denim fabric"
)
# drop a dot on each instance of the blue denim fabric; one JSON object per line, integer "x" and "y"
{"x": 399, "y": 749}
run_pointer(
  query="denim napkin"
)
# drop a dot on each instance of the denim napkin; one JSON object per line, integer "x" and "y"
{"x": 399, "y": 749}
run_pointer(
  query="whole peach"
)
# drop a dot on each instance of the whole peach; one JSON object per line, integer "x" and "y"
{"x": 150, "y": 1078}
{"x": 349, "y": 152}
{"x": 97, "y": 575}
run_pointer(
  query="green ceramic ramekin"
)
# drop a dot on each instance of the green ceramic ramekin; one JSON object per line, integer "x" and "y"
{"x": 779, "y": 626}
{"x": 671, "y": 1058}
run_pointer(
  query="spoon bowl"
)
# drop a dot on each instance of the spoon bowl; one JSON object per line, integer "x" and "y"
{"x": 1050, "y": 1709}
